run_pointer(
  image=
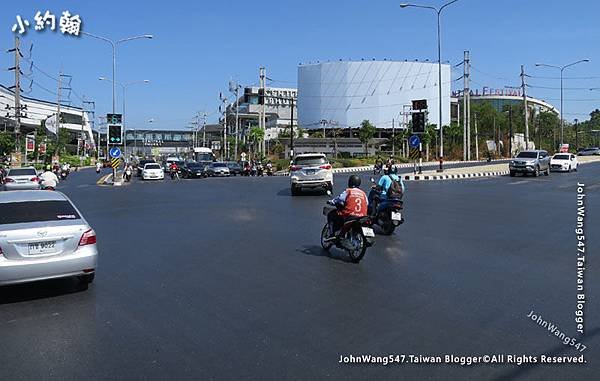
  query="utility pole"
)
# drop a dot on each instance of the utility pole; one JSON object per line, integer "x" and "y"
{"x": 60, "y": 75}
{"x": 292, "y": 129}
{"x": 262, "y": 117}
{"x": 467, "y": 103}
{"x": 18, "y": 97}
{"x": 576, "y": 135}
{"x": 204, "y": 130}
{"x": 523, "y": 86}
{"x": 393, "y": 137}
{"x": 476, "y": 139}
{"x": 510, "y": 131}
{"x": 237, "y": 119}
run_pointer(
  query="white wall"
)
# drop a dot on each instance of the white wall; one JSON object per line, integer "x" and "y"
{"x": 349, "y": 92}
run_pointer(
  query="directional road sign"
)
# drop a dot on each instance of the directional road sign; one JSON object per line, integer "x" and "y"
{"x": 115, "y": 152}
{"x": 414, "y": 141}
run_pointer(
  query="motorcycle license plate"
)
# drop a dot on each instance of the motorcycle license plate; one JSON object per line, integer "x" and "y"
{"x": 368, "y": 232}
{"x": 396, "y": 216}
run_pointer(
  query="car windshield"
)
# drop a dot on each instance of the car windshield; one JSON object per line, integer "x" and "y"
{"x": 22, "y": 172}
{"x": 194, "y": 165}
{"x": 310, "y": 160}
{"x": 527, "y": 155}
{"x": 233, "y": 165}
{"x": 219, "y": 165}
{"x": 152, "y": 166}
{"x": 32, "y": 211}
{"x": 561, "y": 157}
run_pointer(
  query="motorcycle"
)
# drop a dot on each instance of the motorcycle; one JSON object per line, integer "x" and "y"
{"x": 355, "y": 236}
{"x": 97, "y": 170}
{"x": 388, "y": 212}
{"x": 175, "y": 174}
{"x": 64, "y": 174}
{"x": 269, "y": 170}
{"x": 253, "y": 171}
{"x": 260, "y": 170}
{"x": 377, "y": 168}
{"x": 128, "y": 175}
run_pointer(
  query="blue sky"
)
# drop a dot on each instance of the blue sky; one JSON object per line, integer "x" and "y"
{"x": 200, "y": 45}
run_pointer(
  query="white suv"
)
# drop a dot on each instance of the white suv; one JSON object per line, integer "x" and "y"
{"x": 311, "y": 170}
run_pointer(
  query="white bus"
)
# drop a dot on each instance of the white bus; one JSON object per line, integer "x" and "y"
{"x": 203, "y": 154}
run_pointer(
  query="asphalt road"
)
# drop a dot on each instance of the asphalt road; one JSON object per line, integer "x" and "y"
{"x": 224, "y": 278}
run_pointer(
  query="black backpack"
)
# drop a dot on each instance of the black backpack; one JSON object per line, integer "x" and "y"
{"x": 395, "y": 189}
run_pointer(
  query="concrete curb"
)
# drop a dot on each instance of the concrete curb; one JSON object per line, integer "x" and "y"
{"x": 455, "y": 176}
{"x": 371, "y": 167}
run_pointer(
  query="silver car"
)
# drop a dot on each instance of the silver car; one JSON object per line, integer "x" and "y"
{"x": 533, "y": 162}
{"x": 44, "y": 236}
{"x": 21, "y": 179}
{"x": 311, "y": 171}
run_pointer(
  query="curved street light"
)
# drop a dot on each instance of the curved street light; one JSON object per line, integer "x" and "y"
{"x": 439, "y": 43}
{"x": 114, "y": 54}
{"x": 562, "y": 68}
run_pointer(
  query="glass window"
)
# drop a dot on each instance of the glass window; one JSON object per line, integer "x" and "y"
{"x": 22, "y": 172}
{"x": 33, "y": 211}
{"x": 527, "y": 155}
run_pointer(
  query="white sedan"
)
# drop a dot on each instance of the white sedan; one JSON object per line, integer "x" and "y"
{"x": 152, "y": 171}
{"x": 566, "y": 162}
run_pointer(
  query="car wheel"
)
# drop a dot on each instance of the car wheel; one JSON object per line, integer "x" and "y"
{"x": 86, "y": 279}
{"x": 547, "y": 173}
{"x": 575, "y": 169}
{"x": 512, "y": 173}
{"x": 295, "y": 191}
{"x": 536, "y": 173}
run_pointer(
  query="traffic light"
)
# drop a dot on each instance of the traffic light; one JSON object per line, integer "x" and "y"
{"x": 115, "y": 134}
{"x": 114, "y": 118}
{"x": 261, "y": 96}
{"x": 419, "y": 104}
{"x": 418, "y": 122}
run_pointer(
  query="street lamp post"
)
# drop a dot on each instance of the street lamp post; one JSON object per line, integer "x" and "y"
{"x": 124, "y": 88}
{"x": 439, "y": 45}
{"x": 561, "y": 68}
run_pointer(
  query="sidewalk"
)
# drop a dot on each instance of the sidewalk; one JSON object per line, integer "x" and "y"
{"x": 498, "y": 169}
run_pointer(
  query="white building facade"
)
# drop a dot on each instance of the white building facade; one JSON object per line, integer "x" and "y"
{"x": 344, "y": 93}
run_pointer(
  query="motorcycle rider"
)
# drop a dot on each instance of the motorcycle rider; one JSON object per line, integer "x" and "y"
{"x": 48, "y": 179}
{"x": 98, "y": 167}
{"x": 354, "y": 202}
{"x": 128, "y": 171}
{"x": 173, "y": 168}
{"x": 378, "y": 163}
{"x": 269, "y": 168}
{"x": 383, "y": 187}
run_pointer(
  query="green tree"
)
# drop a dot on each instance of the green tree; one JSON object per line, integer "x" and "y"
{"x": 7, "y": 143}
{"x": 256, "y": 135}
{"x": 365, "y": 134}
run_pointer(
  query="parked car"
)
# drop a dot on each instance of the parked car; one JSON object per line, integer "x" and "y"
{"x": 44, "y": 236}
{"x": 312, "y": 171}
{"x": 591, "y": 151}
{"x": 193, "y": 169}
{"x": 563, "y": 162}
{"x": 152, "y": 171}
{"x": 234, "y": 168}
{"x": 217, "y": 169}
{"x": 141, "y": 164}
{"x": 531, "y": 162}
{"x": 21, "y": 179}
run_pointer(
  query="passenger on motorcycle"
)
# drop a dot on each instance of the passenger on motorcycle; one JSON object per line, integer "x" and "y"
{"x": 390, "y": 185}
{"x": 352, "y": 203}
{"x": 48, "y": 179}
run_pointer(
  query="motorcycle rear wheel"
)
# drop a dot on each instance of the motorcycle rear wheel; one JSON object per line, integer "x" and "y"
{"x": 359, "y": 242}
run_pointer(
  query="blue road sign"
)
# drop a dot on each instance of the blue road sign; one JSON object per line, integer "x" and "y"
{"x": 115, "y": 152}
{"x": 414, "y": 141}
